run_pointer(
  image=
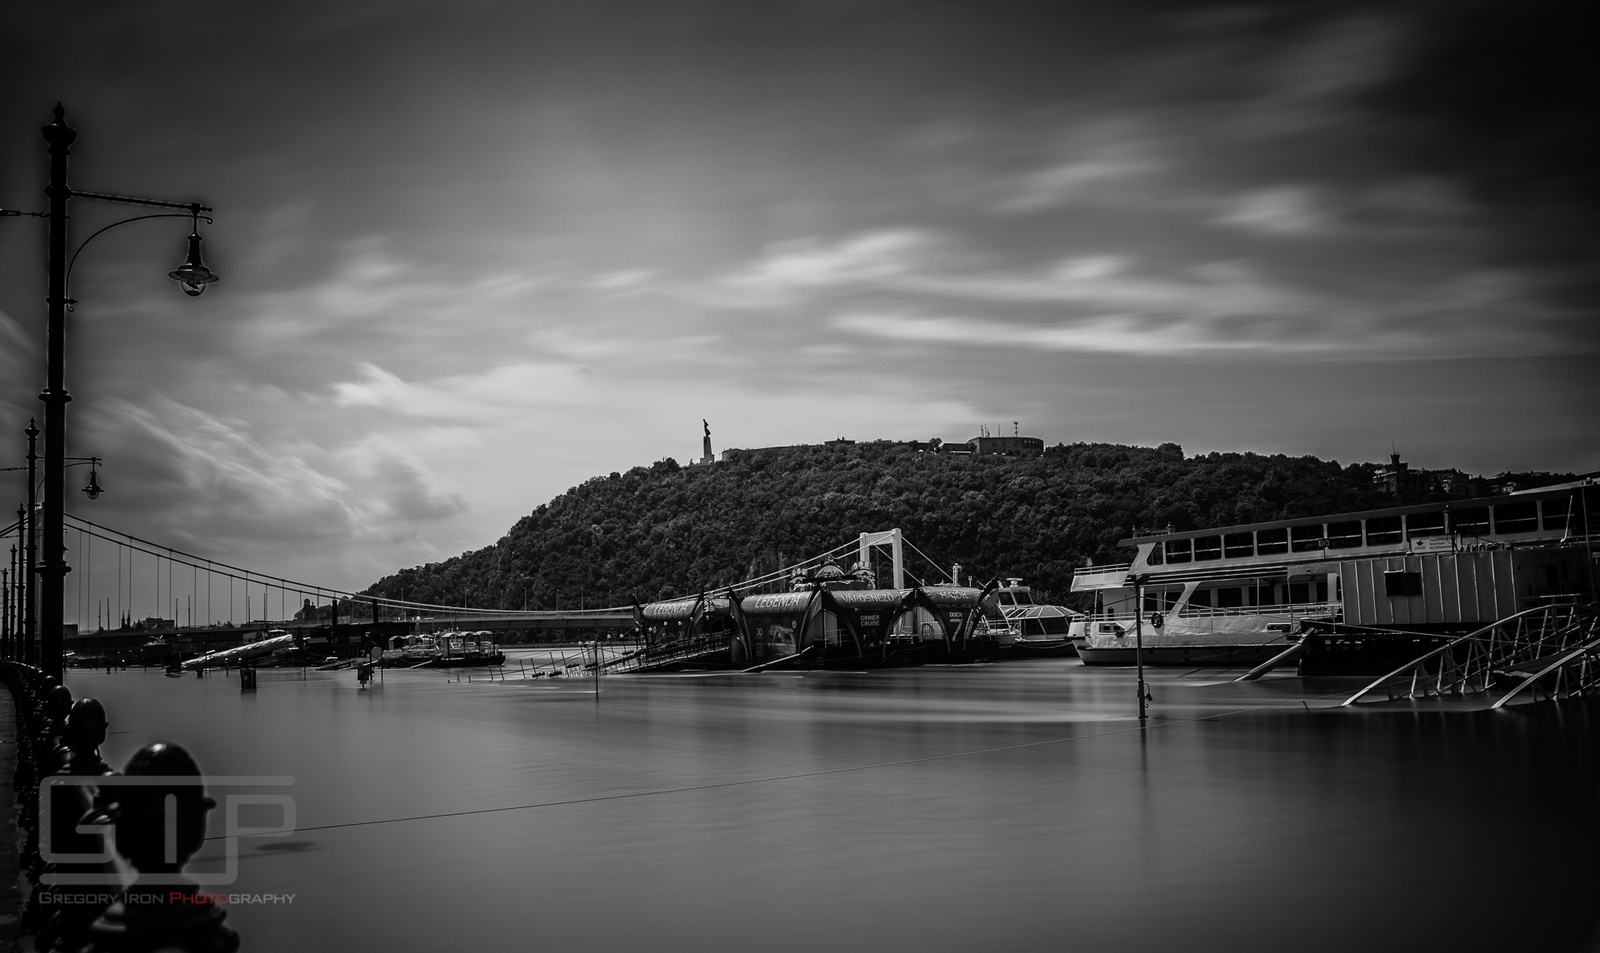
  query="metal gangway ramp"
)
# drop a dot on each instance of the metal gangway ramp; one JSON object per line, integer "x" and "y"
{"x": 1551, "y": 651}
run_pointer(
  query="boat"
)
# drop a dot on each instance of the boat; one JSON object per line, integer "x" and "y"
{"x": 1041, "y": 630}
{"x": 1241, "y": 595}
{"x": 273, "y": 642}
{"x": 462, "y": 650}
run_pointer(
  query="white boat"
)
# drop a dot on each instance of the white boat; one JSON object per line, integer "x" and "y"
{"x": 1242, "y": 594}
{"x": 1042, "y": 629}
{"x": 274, "y": 642}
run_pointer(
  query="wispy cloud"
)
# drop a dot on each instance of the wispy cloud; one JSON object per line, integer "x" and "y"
{"x": 473, "y": 398}
{"x": 1091, "y": 163}
{"x": 789, "y": 269}
{"x": 1284, "y": 210}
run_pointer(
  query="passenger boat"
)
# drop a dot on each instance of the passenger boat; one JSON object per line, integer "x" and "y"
{"x": 1240, "y": 595}
{"x": 1041, "y": 629}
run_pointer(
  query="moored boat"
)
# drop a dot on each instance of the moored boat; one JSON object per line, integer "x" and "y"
{"x": 1041, "y": 629}
{"x": 1239, "y": 595}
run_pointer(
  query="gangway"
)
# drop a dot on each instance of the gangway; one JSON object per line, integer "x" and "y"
{"x": 1290, "y": 654}
{"x": 1528, "y": 647}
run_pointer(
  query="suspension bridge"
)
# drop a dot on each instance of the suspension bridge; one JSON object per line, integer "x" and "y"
{"x": 126, "y": 592}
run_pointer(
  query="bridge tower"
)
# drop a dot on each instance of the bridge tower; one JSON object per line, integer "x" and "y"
{"x": 892, "y": 539}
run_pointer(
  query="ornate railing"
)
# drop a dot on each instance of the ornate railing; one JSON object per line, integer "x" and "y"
{"x": 57, "y": 736}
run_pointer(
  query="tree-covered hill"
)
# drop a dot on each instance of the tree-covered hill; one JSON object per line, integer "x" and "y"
{"x": 666, "y": 530}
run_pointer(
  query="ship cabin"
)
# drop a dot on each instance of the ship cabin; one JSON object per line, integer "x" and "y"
{"x": 1436, "y": 564}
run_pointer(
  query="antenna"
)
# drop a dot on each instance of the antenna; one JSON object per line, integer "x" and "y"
{"x": 1016, "y": 429}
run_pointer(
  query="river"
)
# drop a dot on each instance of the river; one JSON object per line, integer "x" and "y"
{"x": 1008, "y": 807}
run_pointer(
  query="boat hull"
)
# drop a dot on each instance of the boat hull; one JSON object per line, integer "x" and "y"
{"x": 466, "y": 661}
{"x": 1188, "y": 655}
{"x": 1042, "y": 648}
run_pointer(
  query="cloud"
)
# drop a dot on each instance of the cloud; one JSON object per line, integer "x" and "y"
{"x": 1113, "y": 333}
{"x": 399, "y": 488}
{"x": 1317, "y": 80}
{"x": 624, "y": 280}
{"x": 16, "y": 351}
{"x": 1281, "y": 210}
{"x": 791, "y": 268}
{"x": 1106, "y": 283}
{"x": 495, "y": 392}
{"x": 212, "y": 486}
{"x": 166, "y": 456}
{"x": 1093, "y": 161}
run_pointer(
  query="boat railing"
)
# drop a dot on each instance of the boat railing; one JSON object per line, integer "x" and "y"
{"x": 1100, "y": 577}
{"x": 1294, "y": 610}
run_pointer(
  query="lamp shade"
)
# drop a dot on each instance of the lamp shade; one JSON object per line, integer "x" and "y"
{"x": 193, "y": 273}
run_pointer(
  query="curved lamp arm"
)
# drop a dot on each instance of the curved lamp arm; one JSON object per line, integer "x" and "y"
{"x": 193, "y": 247}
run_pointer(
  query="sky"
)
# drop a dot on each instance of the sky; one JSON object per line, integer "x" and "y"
{"x": 475, "y": 253}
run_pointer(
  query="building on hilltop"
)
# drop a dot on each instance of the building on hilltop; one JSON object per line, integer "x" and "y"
{"x": 1014, "y": 445}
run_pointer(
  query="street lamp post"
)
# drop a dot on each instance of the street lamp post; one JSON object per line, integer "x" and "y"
{"x": 193, "y": 275}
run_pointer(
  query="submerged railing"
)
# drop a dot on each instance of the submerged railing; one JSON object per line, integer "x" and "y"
{"x": 1552, "y": 649}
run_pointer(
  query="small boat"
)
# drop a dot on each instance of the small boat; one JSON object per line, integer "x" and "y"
{"x": 1042, "y": 630}
{"x": 464, "y": 650}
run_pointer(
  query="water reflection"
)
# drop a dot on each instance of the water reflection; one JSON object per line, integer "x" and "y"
{"x": 1011, "y": 807}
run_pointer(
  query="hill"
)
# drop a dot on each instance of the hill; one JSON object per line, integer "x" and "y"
{"x": 664, "y": 530}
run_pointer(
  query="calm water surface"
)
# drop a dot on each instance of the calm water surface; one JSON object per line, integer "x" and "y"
{"x": 1003, "y": 807}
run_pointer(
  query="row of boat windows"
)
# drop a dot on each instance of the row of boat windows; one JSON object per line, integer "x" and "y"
{"x": 1551, "y": 515}
{"x": 1258, "y": 592}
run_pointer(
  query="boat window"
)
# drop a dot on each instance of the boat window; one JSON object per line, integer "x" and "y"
{"x": 1402, "y": 583}
{"x": 1384, "y": 530}
{"x": 1238, "y": 544}
{"x": 1516, "y": 517}
{"x": 1473, "y": 520}
{"x": 1430, "y": 523}
{"x": 1266, "y": 593}
{"x": 1178, "y": 551}
{"x": 1207, "y": 547}
{"x": 1153, "y": 558}
{"x": 1272, "y": 542}
{"x": 1345, "y": 535}
{"x": 1005, "y": 598}
{"x": 1230, "y": 597}
{"x": 1555, "y": 512}
{"x": 1023, "y": 598}
{"x": 1299, "y": 592}
{"x": 1306, "y": 539}
{"x": 1201, "y": 597}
